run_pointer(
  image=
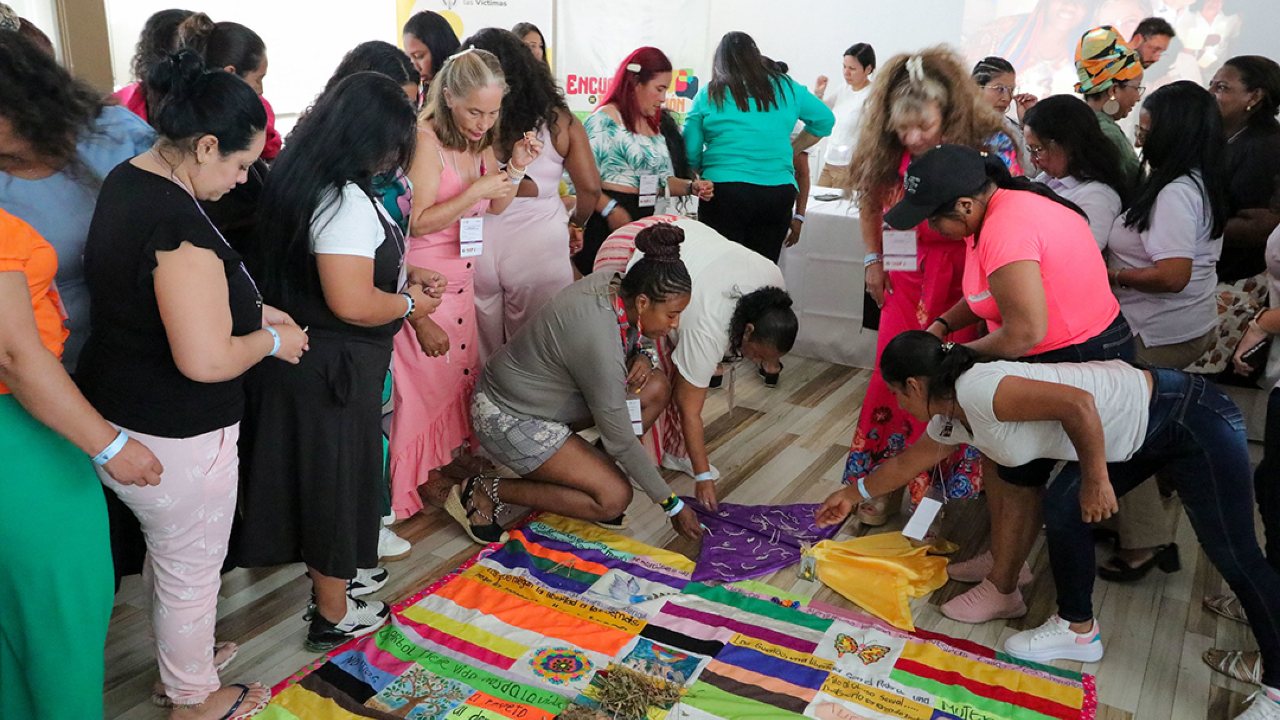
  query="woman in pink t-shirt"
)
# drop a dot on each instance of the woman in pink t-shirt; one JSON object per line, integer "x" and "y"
{"x": 1035, "y": 276}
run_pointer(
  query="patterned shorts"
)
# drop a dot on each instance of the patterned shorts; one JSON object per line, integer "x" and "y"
{"x": 521, "y": 444}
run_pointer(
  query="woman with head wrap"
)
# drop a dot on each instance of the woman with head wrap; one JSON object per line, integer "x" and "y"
{"x": 1111, "y": 82}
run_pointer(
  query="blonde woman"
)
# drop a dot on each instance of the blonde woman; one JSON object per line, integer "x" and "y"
{"x": 456, "y": 186}
{"x": 920, "y": 101}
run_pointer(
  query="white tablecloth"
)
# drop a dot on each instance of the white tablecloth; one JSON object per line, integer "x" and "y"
{"x": 824, "y": 276}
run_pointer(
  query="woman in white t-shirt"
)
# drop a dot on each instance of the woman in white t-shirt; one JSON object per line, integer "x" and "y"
{"x": 738, "y": 310}
{"x": 1165, "y": 247}
{"x": 1114, "y": 425}
{"x": 846, "y": 101}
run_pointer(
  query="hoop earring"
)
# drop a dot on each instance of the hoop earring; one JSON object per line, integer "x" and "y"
{"x": 1111, "y": 106}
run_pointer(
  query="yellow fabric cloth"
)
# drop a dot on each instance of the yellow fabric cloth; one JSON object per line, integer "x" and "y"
{"x": 880, "y": 573}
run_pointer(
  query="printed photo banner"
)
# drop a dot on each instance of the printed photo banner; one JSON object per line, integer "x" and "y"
{"x": 605, "y": 33}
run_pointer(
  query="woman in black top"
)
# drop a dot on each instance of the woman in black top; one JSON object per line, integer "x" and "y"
{"x": 332, "y": 257}
{"x": 1247, "y": 89}
{"x": 178, "y": 321}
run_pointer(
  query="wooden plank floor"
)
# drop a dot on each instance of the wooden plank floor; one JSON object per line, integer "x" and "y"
{"x": 782, "y": 445}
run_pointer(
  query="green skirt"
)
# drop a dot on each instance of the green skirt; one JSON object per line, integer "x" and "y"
{"x": 55, "y": 573}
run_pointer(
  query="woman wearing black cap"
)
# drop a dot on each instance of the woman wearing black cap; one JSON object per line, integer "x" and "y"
{"x": 1034, "y": 274}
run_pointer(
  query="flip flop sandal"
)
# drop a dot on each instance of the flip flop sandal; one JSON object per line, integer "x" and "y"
{"x": 161, "y": 700}
{"x": 1228, "y": 606}
{"x": 236, "y": 712}
{"x": 457, "y": 506}
{"x": 1235, "y": 664}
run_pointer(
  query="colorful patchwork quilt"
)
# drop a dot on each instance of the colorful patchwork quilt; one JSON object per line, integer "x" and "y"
{"x": 535, "y": 627}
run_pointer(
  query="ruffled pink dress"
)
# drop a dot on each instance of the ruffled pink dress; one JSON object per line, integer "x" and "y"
{"x": 432, "y": 415}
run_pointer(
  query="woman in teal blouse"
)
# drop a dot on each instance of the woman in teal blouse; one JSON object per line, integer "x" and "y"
{"x": 738, "y": 135}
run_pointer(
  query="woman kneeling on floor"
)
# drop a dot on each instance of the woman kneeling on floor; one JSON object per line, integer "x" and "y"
{"x": 1115, "y": 425}
{"x": 580, "y": 363}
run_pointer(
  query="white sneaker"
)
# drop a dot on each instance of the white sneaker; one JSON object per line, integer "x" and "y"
{"x": 361, "y": 619}
{"x": 389, "y": 519}
{"x": 367, "y": 581}
{"x": 391, "y": 546}
{"x": 1262, "y": 708}
{"x": 1054, "y": 640}
{"x": 683, "y": 464}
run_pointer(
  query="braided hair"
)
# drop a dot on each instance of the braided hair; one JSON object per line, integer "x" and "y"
{"x": 660, "y": 274}
{"x": 768, "y": 312}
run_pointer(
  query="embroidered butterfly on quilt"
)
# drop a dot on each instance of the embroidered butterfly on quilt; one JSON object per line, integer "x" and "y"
{"x": 867, "y": 653}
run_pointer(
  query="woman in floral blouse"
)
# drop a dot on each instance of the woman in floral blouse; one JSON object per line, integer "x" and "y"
{"x": 638, "y": 149}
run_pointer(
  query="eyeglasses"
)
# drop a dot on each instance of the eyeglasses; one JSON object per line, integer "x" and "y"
{"x": 1140, "y": 88}
{"x": 1036, "y": 151}
{"x": 1001, "y": 89}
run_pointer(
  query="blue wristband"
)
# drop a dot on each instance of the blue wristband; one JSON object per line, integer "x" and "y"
{"x": 862, "y": 488}
{"x": 275, "y": 340}
{"x": 111, "y": 450}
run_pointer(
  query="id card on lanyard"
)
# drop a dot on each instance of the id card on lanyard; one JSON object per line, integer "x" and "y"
{"x": 634, "y": 411}
{"x": 471, "y": 236}
{"x": 900, "y": 252}
{"x": 648, "y": 190}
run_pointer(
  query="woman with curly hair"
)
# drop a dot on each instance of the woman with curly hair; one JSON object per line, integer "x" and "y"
{"x": 527, "y": 248}
{"x": 57, "y": 142}
{"x": 159, "y": 37}
{"x": 920, "y": 101}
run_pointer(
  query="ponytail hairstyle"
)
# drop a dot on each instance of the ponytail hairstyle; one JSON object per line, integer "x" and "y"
{"x": 635, "y": 70}
{"x": 223, "y": 44}
{"x": 998, "y": 175}
{"x": 533, "y": 100}
{"x": 462, "y": 74}
{"x": 196, "y": 102}
{"x": 989, "y": 68}
{"x": 661, "y": 273}
{"x": 918, "y": 354}
{"x": 768, "y": 311}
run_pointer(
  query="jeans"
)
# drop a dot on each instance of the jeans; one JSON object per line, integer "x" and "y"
{"x": 1195, "y": 440}
{"x": 1266, "y": 480}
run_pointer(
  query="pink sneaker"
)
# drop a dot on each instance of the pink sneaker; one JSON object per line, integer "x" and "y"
{"x": 984, "y": 603}
{"x": 978, "y": 567}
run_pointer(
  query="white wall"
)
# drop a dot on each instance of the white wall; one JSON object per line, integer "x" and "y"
{"x": 41, "y": 13}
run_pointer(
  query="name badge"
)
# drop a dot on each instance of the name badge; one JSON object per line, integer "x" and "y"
{"x": 637, "y": 416}
{"x": 471, "y": 236}
{"x": 926, "y": 512}
{"x": 900, "y": 251}
{"x": 648, "y": 190}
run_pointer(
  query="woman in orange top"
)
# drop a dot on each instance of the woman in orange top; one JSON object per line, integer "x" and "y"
{"x": 54, "y": 578}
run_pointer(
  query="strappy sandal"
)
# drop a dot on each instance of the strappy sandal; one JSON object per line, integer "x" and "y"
{"x": 1228, "y": 606}
{"x": 161, "y": 700}
{"x": 1242, "y": 665}
{"x": 458, "y": 505}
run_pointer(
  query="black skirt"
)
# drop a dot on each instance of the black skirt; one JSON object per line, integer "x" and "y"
{"x": 311, "y": 457}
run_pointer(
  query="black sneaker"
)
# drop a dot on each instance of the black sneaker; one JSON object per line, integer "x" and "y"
{"x": 770, "y": 379}
{"x": 361, "y": 619}
{"x": 716, "y": 382}
{"x": 367, "y": 582}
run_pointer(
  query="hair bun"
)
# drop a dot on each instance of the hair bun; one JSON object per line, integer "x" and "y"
{"x": 176, "y": 75}
{"x": 660, "y": 242}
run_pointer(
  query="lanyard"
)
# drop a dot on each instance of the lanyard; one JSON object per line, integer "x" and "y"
{"x": 624, "y": 325}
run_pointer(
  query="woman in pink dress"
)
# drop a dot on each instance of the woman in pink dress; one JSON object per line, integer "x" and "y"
{"x": 528, "y": 262}
{"x": 921, "y": 101}
{"x": 456, "y": 184}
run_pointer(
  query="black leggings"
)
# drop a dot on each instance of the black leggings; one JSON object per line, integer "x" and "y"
{"x": 754, "y": 216}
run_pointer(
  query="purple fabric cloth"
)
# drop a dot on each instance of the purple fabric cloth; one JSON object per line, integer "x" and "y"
{"x": 747, "y": 541}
